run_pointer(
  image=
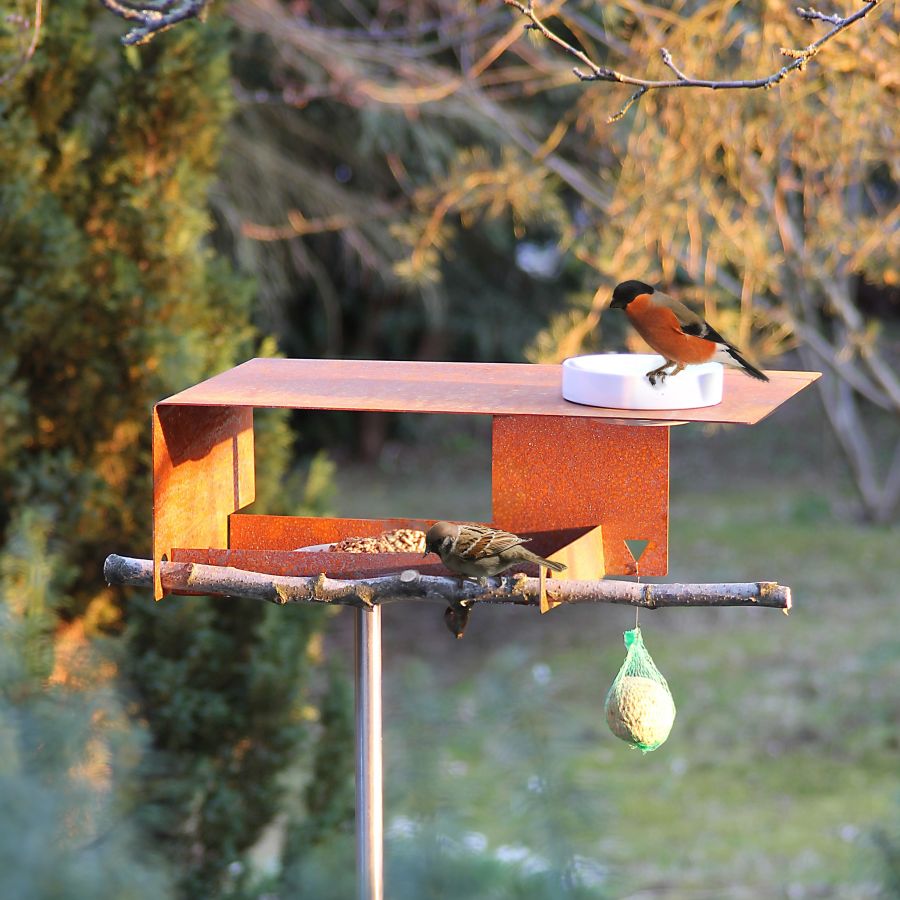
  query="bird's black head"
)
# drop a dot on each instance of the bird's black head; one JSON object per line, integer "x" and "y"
{"x": 625, "y": 292}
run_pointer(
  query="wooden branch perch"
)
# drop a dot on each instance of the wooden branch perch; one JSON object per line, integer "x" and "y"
{"x": 410, "y": 585}
{"x": 150, "y": 17}
{"x": 603, "y": 73}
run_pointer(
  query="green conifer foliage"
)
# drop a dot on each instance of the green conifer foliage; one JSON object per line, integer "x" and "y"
{"x": 110, "y": 299}
{"x": 65, "y": 747}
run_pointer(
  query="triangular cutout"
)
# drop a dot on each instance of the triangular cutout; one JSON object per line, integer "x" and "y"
{"x": 636, "y": 548}
{"x": 584, "y": 560}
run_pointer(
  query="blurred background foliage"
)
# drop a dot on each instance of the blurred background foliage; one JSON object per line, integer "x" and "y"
{"x": 420, "y": 180}
{"x": 473, "y": 201}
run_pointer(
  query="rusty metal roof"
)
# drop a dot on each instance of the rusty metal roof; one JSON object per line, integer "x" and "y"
{"x": 443, "y": 387}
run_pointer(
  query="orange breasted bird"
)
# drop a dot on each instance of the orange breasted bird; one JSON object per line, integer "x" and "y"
{"x": 677, "y": 333}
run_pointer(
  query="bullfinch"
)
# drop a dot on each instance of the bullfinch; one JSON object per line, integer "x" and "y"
{"x": 677, "y": 333}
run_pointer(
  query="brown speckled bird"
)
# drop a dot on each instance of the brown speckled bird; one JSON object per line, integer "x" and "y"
{"x": 479, "y": 551}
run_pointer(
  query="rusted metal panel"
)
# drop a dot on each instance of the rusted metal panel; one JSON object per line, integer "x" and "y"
{"x": 257, "y": 532}
{"x": 202, "y": 472}
{"x": 561, "y": 473}
{"x": 333, "y": 564}
{"x": 273, "y": 537}
{"x": 439, "y": 387}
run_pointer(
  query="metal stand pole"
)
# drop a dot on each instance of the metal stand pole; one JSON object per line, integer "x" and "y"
{"x": 369, "y": 770}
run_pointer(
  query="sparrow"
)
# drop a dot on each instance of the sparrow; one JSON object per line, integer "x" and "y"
{"x": 480, "y": 551}
{"x": 677, "y": 333}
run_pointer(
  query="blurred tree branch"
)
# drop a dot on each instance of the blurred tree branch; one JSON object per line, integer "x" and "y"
{"x": 410, "y": 585}
{"x": 787, "y": 206}
{"x": 150, "y": 17}
{"x": 603, "y": 73}
{"x": 23, "y": 25}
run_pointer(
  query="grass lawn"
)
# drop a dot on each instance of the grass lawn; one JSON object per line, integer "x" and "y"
{"x": 785, "y": 754}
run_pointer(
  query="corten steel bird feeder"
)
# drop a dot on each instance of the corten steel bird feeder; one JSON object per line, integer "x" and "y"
{"x": 570, "y": 477}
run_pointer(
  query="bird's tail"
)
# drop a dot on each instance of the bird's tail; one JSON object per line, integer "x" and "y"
{"x": 555, "y": 566}
{"x": 751, "y": 370}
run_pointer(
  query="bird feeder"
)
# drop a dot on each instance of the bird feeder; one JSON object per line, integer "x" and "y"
{"x": 559, "y": 469}
{"x": 582, "y": 482}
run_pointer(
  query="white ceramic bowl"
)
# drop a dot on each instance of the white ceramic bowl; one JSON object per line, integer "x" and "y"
{"x": 619, "y": 381}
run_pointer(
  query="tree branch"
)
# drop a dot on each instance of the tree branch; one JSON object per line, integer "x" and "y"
{"x": 813, "y": 13}
{"x": 603, "y": 73}
{"x": 667, "y": 60}
{"x": 154, "y": 16}
{"x": 410, "y": 585}
{"x": 32, "y": 46}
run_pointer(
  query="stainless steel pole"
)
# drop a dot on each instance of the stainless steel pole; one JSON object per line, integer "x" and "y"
{"x": 369, "y": 768}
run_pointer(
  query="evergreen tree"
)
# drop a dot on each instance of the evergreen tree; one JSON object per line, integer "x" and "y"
{"x": 110, "y": 299}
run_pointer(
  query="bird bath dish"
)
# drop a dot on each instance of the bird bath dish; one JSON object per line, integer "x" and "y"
{"x": 619, "y": 381}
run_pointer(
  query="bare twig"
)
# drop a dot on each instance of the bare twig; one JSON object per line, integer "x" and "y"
{"x": 32, "y": 46}
{"x": 813, "y": 13}
{"x": 298, "y": 226}
{"x": 154, "y": 16}
{"x": 667, "y": 60}
{"x": 627, "y": 105}
{"x": 603, "y": 73}
{"x": 410, "y": 585}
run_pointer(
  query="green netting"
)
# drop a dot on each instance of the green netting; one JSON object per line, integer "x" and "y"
{"x": 639, "y": 706}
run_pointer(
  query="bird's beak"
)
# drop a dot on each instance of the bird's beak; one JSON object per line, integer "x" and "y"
{"x": 425, "y": 553}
